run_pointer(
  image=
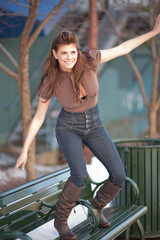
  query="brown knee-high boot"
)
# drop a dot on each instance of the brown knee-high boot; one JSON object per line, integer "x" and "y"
{"x": 64, "y": 205}
{"x": 105, "y": 194}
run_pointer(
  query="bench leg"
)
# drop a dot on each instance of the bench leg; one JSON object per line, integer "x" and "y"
{"x": 127, "y": 234}
{"x": 141, "y": 230}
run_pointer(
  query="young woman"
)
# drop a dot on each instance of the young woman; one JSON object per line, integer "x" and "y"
{"x": 71, "y": 76}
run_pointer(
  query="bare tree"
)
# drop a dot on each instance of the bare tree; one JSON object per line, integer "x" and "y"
{"x": 152, "y": 105}
{"x": 21, "y": 74}
{"x": 93, "y": 25}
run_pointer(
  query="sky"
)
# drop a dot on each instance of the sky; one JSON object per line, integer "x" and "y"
{"x": 21, "y": 7}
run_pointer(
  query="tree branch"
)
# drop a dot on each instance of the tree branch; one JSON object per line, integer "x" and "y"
{"x": 139, "y": 79}
{"x": 9, "y": 56}
{"x": 8, "y": 71}
{"x": 158, "y": 104}
{"x": 130, "y": 60}
{"x": 20, "y": 4}
{"x": 42, "y": 24}
{"x": 34, "y": 4}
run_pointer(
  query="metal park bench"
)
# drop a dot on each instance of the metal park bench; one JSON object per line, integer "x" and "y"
{"x": 30, "y": 205}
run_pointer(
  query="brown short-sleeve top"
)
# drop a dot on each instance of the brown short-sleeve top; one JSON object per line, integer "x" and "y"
{"x": 65, "y": 91}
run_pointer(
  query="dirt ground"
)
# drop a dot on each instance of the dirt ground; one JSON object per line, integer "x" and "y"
{"x": 9, "y": 179}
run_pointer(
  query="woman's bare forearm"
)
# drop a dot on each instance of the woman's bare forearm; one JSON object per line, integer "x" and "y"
{"x": 131, "y": 44}
{"x": 34, "y": 127}
{"x": 32, "y": 132}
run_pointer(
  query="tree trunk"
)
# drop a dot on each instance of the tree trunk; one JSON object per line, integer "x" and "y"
{"x": 25, "y": 44}
{"x": 92, "y": 44}
{"x": 158, "y": 115}
{"x": 24, "y": 85}
{"x": 154, "y": 95}
{"x": 26, "y": 106}
{"x": 22, "y": 73}
{"x": 152, "y": 122}
{"x": 93, "y": 25}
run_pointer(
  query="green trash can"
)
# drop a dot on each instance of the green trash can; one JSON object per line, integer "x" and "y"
{"x": 141, "y": 159}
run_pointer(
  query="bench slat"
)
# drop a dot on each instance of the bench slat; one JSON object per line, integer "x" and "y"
{"x": 32, "y": 204}
{"x": 19, "y": 220}
{"x": 52, "y": 191}
{"x": 26, "y": 189}
{"x": 112, "y": 214}
{"x": 118, "y": 224}
{"x": 48, "y": 194}
{"x": 124, "y": 223}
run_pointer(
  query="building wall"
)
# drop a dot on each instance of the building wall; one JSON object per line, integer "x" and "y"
{"x": 10, "y": 107}
{"x": 121, "y": 104}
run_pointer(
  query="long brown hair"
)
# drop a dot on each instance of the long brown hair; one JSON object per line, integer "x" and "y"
{"x": 51, "y": 65}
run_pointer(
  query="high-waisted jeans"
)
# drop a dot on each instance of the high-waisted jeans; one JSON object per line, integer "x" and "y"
{"x": 75, "y": 129}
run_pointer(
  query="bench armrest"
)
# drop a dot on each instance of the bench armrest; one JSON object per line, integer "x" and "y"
{"x": 135, "y": 189}
{"x": 50, "y": 206}
{"x": 97, "y": 184}
{"x": 14, "y": 234}
{"x": 92, "y": 211}
{"x": 128, "y": 180}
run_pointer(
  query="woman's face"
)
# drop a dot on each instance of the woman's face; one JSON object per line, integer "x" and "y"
{"x": 67, "y": 56}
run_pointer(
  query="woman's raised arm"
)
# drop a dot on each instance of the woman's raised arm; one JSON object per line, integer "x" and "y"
{"x": 128, "y": 46}
{"x": 35, "y": 125}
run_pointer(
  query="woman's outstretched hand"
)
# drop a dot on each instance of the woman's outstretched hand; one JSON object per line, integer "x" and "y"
{"x": 156, "y": 28}
{"x": 21, "y": 161}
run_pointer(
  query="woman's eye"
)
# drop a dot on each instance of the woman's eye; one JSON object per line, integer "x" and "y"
{"x": 64, "y": 53}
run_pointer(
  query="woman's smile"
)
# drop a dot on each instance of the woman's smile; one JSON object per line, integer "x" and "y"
{"x": 66, "y": 56}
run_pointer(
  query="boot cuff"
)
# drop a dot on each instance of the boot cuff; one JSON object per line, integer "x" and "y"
{"x": 71, "y": 191}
